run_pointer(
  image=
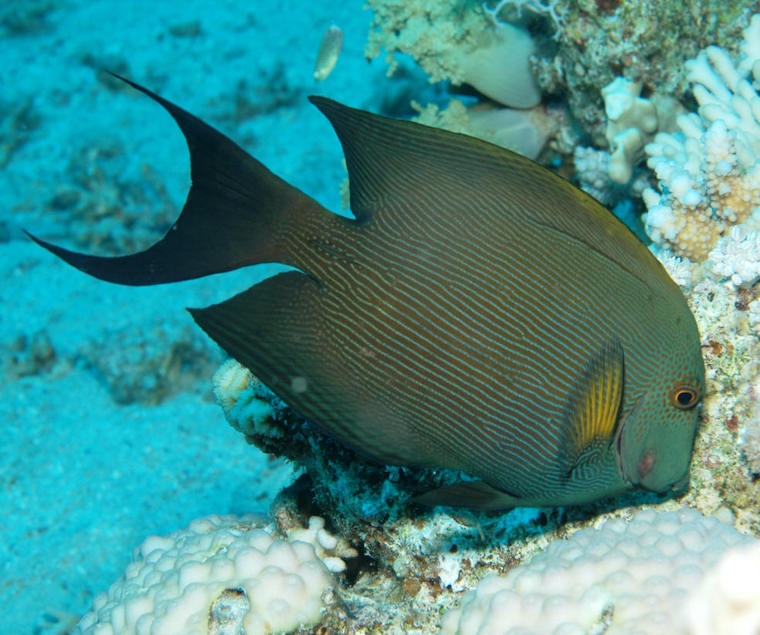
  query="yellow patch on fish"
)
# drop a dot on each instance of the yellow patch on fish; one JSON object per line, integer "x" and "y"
{"x": 594, "y": 405}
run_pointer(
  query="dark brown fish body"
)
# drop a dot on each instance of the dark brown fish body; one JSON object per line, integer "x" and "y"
{"x": 480, "y": 313}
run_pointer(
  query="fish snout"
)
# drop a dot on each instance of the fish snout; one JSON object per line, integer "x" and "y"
{"x": 658, "y": 474}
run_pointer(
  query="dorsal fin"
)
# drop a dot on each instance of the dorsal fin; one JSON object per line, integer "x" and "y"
{"x": 410, "y": 173}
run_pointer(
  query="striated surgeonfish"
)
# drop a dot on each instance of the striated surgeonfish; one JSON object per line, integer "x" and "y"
{"x": 478, "y": 313}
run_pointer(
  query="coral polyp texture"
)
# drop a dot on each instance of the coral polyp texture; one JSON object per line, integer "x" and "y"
{"x": 727, "y": 600}
{"x": 222, "y": 574}
{"x": 709, "y": 171}
{"x": 620, "y": 577}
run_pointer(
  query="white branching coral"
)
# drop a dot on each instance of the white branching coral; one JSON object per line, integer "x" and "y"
{"x": 709, "y": 171}
{"x": 631, "y": 120}
{"x": 736, "y": 257}
{"x": 592, "y": 168}
{"x": 330, "y": 548}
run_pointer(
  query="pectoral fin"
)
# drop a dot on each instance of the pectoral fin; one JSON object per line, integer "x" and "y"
{"x": 592, "y": 411}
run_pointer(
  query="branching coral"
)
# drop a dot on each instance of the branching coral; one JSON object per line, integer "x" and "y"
{"x": 630, "y": 120}
{"x": 709, "y": 172}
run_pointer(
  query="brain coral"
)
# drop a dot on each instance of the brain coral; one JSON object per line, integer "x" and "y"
{"x": 620, "y": 577}
{"x": 219, "y": 575}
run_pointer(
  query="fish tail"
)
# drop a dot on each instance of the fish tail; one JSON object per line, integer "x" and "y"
{"x": 237, "y": 213}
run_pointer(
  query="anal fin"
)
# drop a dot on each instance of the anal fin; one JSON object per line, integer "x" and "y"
{"x": 274, "y": 330}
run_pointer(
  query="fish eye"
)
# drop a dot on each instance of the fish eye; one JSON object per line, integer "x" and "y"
{"x": 684, "y": 397}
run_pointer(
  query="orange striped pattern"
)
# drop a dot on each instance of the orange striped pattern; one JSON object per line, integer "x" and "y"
{"x": 453, "y": 318}
{"x": 480, "y": 313}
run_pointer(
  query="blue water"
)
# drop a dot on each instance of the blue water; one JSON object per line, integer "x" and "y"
{"x": 88, "y": 467}
{"x": 110, "y": 430}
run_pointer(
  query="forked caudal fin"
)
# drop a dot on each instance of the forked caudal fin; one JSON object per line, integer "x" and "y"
{"x": 237, "y": 213}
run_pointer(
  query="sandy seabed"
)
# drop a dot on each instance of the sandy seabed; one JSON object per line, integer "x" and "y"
{"x": 88, "y": 465}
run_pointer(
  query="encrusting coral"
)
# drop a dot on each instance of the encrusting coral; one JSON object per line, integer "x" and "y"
{"x": 620, "y": 576}
{"x": 452, "y": 41}
{"x": 727, "y": 600}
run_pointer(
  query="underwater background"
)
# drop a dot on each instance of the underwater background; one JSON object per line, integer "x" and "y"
{"x": 111, "y": 430}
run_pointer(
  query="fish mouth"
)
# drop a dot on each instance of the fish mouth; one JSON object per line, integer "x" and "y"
{"x": 618, "y": 441}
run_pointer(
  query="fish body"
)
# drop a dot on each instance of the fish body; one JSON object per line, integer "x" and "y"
{"x": 479, "y": 313}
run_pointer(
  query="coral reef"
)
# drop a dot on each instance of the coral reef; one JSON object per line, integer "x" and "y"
{"x": 645, "y": 42}
{"x": 728, "y": 598}
{"x": 637, "y": 50}
{"x": 525, "y": 131}
{"x": 592, "y": 169}
{"x": 454, "y": 41}
{"x": 431, "y": 32}
{"x": 423, "y": 562}
{"x": 750, "y": 436}
{"x": 352, "y": 524}
{"x": 631, "y": 123}
{"x": 629, "y": 119}
{"x": 709, "y": 172}
{"x": 736, "y": 257}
